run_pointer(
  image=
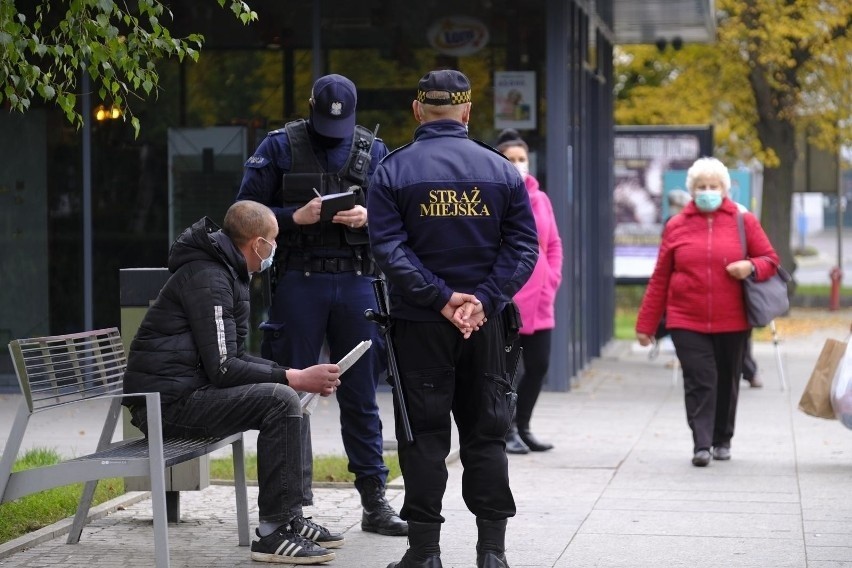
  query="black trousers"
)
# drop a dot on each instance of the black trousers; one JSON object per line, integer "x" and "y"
{"x": 536, "y": 357}
{"x": 712, "y": 365}
{"x": 271, "y": 408}
{"x": 444, "y": 373}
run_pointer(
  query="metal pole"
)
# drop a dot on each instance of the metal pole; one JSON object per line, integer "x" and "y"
{"x": 559, "y": 170}
{"x": 86, "y": 104}
{"x": 836, "y": 273}
{"x": 316, "y": 41}
{"x": 840, "y": 208}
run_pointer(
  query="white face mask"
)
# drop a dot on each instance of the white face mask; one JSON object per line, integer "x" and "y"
{"x": 523, "y": 168}
{"x": 266, "y": 262}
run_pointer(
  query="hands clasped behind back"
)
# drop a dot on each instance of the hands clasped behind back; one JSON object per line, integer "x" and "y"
{"x": 465, "y": 312}
{"x": 323, "y": 378}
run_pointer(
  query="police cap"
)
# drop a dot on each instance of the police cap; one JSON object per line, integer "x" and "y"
{"x": 444, "y": 87}
{"x": 333, "y": 99}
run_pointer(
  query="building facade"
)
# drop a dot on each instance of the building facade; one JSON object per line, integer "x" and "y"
{"x": 78, "y": 206}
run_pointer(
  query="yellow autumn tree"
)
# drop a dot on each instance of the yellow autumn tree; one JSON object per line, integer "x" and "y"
{"x": 777, "y": 66}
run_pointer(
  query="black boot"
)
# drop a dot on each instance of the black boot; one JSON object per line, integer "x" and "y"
{"x": 534, "y": 445}
{"x": 424, "y": 549}
{"x": 514, "y": 444}
{"x": 379, "y": 516}
{"x": 491, "y": 547}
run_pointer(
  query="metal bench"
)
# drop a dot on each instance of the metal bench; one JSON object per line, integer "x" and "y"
{"x": 66, "y": 369}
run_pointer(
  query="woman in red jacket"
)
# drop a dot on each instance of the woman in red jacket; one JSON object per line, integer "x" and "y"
{"x": 696, "y": 283}
{"x": 535, "y": 300}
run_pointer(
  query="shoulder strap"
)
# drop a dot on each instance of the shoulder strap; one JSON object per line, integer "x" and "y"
{"x": 362, "y": 143}
{"x": 302, "y": 155}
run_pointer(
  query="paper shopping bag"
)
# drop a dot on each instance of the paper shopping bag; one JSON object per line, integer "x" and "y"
{"x": 816, "y": 399}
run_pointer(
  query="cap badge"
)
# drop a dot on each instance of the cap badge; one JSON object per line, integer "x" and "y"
{"x": 336, "y": 108}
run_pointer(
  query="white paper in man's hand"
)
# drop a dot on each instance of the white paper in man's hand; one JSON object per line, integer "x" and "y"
{"x": 310, "y": 400}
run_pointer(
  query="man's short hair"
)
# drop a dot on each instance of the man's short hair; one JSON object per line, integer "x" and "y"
{"x": 246, "y": 220}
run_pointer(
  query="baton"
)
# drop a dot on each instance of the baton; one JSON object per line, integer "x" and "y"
{"x": 383, "y": 320}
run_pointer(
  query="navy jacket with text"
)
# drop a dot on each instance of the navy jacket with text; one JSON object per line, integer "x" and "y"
{"x": 449, "y": 214}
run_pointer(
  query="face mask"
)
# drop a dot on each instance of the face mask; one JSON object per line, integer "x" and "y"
{"x": 266, "y": 262}
{"x": 523, "y": 168}
{"x": 708, "y": 200}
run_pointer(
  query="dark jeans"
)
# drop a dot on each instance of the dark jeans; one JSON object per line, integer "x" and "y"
{"x": 442, "y": 373}
{"x": 271, "y": 408}
{"x": 712, "y": 364}
{"x": 536, "y": 357}
{"x": 306, "y": 312}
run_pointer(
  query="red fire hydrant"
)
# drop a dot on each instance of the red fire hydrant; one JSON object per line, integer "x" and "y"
{"x": 836, "y": 276}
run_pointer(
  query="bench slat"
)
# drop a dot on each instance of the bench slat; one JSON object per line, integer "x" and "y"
{"x": 65, "y": 369}
{"x": 175, "y": 450}
{"x": 60, "y": 369}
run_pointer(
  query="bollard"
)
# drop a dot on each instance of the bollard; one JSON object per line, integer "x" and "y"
{"x": 836, "y": 276}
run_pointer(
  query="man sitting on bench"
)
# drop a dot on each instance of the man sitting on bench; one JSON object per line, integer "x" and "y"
{"x": 191, "y": 349}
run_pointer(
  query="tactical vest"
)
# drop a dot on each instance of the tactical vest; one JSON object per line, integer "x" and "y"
{"x": 307, "y": 175}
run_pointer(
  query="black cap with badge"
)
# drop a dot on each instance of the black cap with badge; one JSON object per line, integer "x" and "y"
{"x": 444, "y": 87}
{"x": 333, "y": 100}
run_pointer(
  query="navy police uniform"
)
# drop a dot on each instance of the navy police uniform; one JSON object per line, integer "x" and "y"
{"x": 449, "y": 214}
{"x": 324, "y": 270}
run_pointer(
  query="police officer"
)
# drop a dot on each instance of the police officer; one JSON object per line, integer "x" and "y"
{"x": 453, "y": 231}
{"x": 324, "y": 270}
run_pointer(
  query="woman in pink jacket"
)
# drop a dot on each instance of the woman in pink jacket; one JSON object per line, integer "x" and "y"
{"x": 535, "y": 300}
{"x": 697, "y": 283}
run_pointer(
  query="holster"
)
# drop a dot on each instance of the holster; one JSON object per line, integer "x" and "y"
{"x": 511, "y": 318}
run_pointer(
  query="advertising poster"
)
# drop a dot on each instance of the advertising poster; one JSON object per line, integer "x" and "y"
{"x": 643, "y": 155}
{"x": 514, "y": 100}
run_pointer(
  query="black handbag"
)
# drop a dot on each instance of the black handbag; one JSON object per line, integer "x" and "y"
{"x": 768, "y": 299}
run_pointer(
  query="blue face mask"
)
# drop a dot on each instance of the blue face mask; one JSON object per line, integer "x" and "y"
{"x": 708, "y": 200}
{"x": 266, "y": 262}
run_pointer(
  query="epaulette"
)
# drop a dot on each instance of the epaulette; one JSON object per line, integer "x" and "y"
{"x": 488, "y": 146}
{"x": 392, "y": 152}
{"x": 282, "y": 129}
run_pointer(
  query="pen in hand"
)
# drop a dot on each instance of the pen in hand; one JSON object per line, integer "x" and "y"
{"x": 317, "y": 193}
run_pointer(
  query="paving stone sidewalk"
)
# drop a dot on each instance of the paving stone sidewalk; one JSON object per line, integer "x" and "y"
{"x": 617, "y": 491}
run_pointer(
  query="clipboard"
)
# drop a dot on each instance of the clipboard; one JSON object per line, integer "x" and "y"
{"x": 310, "y": 400}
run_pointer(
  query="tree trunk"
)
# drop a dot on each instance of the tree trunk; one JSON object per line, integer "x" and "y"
{"x": 776, "y": 210}
{"x": 778, "y": 134}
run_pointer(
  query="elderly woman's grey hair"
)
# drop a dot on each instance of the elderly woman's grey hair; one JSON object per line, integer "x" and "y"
{"x": 708, "y": 168}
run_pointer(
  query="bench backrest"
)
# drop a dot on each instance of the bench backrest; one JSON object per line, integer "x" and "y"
{"x": 59, "y": 369}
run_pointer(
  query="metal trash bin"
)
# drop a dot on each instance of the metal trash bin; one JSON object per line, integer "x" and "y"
{"x": 138, "y": 288}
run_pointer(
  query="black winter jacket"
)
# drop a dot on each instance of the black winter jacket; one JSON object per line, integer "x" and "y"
{"x": 194, "y": 334}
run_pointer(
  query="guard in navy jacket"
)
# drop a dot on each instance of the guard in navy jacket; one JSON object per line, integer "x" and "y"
{"x": 452, "y": 229}
{"x": 324, "y": 271}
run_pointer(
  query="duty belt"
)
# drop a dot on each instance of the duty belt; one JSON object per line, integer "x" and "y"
{"x": 332, "y": 265}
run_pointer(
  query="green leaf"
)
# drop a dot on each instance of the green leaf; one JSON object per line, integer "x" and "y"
{"x": 46, "y": 91}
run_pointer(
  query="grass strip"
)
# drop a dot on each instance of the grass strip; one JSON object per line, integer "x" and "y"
{"x": 39, "y": 510}
{"x": 326, "y": 468}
